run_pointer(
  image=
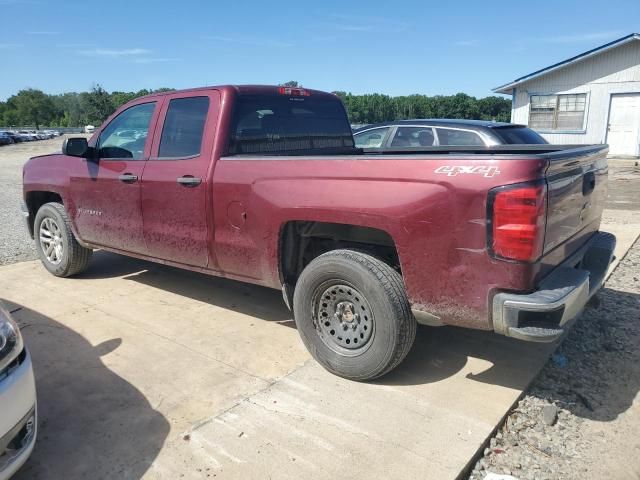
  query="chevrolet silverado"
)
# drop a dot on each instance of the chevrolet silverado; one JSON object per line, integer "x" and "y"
{"x": 265, "y": 185}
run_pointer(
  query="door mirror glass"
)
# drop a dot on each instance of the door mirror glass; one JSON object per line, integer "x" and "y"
{"x": 75, "y": 147}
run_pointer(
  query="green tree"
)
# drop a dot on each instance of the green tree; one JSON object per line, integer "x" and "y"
{"x": 291, "y": 83}
{"x": 97, "y": 105}
{"x": 32, "y": 107}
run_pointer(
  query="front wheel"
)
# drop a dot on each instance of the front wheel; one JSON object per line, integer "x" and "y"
{"x": 57, "y": 247}
{"x": 353, "y": 315}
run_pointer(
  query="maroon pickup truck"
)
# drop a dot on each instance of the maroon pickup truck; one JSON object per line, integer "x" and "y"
{"x": 264, "y": 185}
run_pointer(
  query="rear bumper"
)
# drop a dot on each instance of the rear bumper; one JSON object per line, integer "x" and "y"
{"x": 544, "y": 315}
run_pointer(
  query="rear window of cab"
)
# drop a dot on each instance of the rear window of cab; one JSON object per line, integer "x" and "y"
{"x": 282, "y": 124}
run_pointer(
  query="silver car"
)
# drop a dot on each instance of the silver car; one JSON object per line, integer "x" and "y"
{"x": 18, "y": 416}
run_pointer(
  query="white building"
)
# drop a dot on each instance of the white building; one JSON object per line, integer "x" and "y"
{"x": 593, "y": 97}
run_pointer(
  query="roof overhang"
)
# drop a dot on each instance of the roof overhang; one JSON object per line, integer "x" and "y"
{"x": 508, "y": 87}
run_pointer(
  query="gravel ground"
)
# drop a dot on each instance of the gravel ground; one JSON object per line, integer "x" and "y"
{"x": 580, "y": 417}
{"x": 15, "y": 244}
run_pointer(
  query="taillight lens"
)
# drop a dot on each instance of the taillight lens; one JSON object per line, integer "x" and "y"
{"x": 293, "y": 92}
{"x": 517, "y": 221}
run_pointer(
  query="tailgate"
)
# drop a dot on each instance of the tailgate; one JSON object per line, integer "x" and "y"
{"x": 577, "y": 189}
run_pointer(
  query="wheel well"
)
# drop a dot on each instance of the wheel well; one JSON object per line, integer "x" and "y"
{"x": 302, "y": 241}
{"x": 35, "y": 200}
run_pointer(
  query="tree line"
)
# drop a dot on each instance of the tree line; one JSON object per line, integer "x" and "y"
{"x": 32, "y": 107}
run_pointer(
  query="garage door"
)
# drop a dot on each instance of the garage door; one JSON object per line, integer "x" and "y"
{"x": 624, "y": 124}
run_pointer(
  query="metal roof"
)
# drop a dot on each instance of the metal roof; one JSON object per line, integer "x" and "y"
{"x": 506, "y": 88}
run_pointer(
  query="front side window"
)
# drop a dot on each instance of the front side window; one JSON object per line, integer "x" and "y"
{"x": 451, "y": 137}
{"x": 413, "y": 137}
{"x": 557, "y": 112}
{"x": 126, "y": 135}
{"x": 183, "y": 127}
{"x": 371, "y": 138}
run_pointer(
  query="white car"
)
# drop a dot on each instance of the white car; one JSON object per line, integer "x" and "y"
{"x": 18, "y": 416}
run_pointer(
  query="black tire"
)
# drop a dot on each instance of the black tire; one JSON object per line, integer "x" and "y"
{"x": 74, "y": 258}
{"x": 342, "y": 277}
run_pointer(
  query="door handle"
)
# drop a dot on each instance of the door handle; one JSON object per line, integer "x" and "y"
{"x": 189, "y": 181}
{"x": 128, "y": 178}
{"x": 588, "y": 183}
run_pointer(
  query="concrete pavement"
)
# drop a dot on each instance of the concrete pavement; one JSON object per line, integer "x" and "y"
{"x": 145, "y": 371}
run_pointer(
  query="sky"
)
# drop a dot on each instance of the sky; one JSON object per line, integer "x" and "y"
{"x": 395, "y": 48}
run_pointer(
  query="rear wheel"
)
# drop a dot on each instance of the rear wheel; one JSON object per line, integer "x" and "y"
{"x": 353, "y": 315}
{"x": 57, "y": 247}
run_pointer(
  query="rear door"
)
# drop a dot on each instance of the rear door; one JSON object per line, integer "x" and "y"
{"x": 105, "y": 192}
{"x": 174, "y": 183}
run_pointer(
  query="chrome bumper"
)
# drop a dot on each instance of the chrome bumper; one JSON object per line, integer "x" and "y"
{"x": 544, "y": 315}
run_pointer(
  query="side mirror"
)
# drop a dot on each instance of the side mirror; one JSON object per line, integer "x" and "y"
{"x": 75, "y": 147}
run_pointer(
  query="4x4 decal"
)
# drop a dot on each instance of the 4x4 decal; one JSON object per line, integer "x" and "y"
{"x": 453, "y": 170}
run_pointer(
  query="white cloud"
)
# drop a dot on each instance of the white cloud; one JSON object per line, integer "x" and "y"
{"x": 466, "y": 43}
{"x": 352, "y": 23}
{"x": 20, "y": 2}
{"x": 154, "y": 60}
{"x": 113, "y": 53}
{"x": 251, "y": 41}
{"x": 43, "y": 32}
{"x": 353, "y": 28}
{"x": 582, "y": 37}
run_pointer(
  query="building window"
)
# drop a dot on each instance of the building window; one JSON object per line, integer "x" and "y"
{"x": 557, "y": 112}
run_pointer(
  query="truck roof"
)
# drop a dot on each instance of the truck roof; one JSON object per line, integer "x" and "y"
{"x": 242, "y": 89}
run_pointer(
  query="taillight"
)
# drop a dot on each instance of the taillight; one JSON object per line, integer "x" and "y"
{"x": 293, "y": 92}
{"x": 517, "y": 217}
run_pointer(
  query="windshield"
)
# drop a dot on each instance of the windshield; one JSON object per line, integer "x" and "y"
{"x": 518, "y": 135}
{"x": 279, "y": 124}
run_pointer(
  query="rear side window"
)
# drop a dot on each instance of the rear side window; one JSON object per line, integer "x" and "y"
{"x": 518, "y": 135}
{"x": 413, "y": 137}
{"x": 451, "y": 137}
{"x": 279, "y": 124}
{"x": 183, "y": 127}
{"x": 371, "y": 138}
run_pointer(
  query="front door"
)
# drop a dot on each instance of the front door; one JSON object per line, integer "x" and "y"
{"x": 174, "y": 182}
{"x": 106, "y": 190}
{"x": 623, "y": 134}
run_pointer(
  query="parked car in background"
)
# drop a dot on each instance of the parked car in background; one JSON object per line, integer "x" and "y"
{"x": 6, "y": 139}
{"x": 434, "y": 132}
{"x": 18, "y": 423}
{"x": 30, "y": 135}
{"x": 17, "y": 138}
{"x": 89, "y": 129}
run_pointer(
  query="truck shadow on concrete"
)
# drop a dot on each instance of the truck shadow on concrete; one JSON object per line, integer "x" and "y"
{"x": 438, "y": 353}
{"x": 261, "y": 302}
{"x": 92, "y": 423}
